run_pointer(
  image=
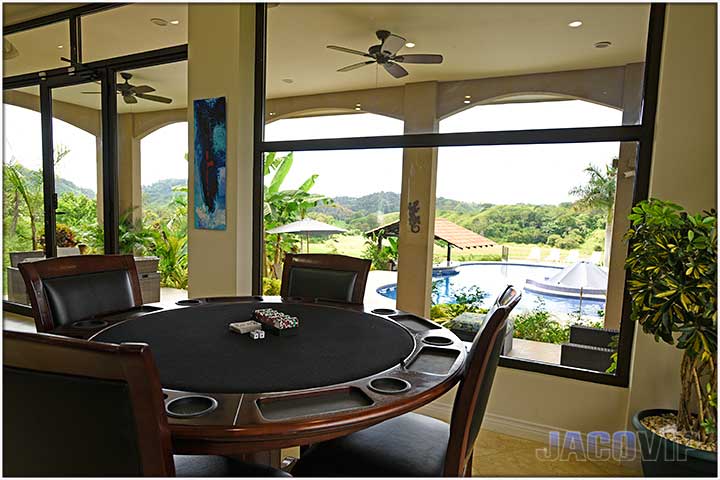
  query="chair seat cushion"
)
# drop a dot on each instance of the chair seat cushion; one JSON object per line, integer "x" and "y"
{"x": 216, "y": 466}
{"x": 411, "y": 445}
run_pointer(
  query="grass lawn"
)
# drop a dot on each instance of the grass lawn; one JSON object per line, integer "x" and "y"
{"x": 353, "y": 245}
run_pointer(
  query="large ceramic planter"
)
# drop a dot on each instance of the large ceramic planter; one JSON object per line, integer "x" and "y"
{"x": 664, "y": 458}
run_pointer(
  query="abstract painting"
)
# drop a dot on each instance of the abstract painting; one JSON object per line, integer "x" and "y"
{"x": 210, "y": 155}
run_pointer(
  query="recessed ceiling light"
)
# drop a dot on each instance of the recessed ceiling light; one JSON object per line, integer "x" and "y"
{"x": 357, "y": 106}
{"x": 467, "y": 97}
{"x": 288, "y": 80}
{"x": 272, "y": 114}
{"x": 575, "y": 24}
{"x": 466, "y": 101}
{"x": 160, "y": 22}
{"x": 603, "y": 44}
{"x": 410, "y": 45}
{"x": 60, "y": 46}
{"x": 174, "y": 22}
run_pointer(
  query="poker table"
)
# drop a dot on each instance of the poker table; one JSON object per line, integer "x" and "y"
{"x": 344, "y": 369}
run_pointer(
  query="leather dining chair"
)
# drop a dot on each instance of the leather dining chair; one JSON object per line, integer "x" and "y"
{"x": 75, "y": 408}
{"x": 64, "y": 290}
{"x": 413, "y": 445}
{"x": 317, "y": 276}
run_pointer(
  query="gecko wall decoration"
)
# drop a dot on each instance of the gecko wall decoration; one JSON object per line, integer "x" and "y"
{"x": 414, "y": 216}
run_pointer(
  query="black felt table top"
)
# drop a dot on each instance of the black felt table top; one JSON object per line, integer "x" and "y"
{"x": 195, "y": 350}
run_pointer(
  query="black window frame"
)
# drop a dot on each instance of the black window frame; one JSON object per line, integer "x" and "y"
{"x": 642, "y": 134}
{"x": 105, "y": 71}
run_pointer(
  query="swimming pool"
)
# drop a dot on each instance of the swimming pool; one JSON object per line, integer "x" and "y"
{"x": 492, "y": 277}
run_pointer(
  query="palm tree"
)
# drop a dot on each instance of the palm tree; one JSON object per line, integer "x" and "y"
{"x": 599, "y": 194}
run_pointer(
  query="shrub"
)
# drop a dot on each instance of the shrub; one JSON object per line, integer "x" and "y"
{"x": 64, "y": 236}
{"x": 271, "y": 286}
{"x": 537, "y": 325}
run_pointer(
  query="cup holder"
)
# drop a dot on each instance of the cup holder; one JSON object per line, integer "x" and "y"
{"x": 90, "y": 324}
{"x": 192, "y": 301}
{"x": 389, "y": 385}
{"x": 384, "y": 311}
{"x": 190, "y": 406}
{"x": 436, "y": 340}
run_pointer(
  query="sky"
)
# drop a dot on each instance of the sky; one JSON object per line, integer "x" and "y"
{"x": 539, "y": 174}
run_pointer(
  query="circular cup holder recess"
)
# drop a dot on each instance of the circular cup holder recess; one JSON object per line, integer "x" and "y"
{"x": 192, "y": 301}
{"x": 190, "y": 406}
{"x": 384, "y": 311}
{"x": 436, "y": 340}
{"x": 90, "y": 324}
{"x": 389, "y": 385}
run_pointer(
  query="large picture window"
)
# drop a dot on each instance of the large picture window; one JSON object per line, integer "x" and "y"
{"x": 539, "y": 145}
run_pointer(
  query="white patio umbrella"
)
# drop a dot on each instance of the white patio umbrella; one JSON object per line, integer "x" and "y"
{"x": 308, "y": 226}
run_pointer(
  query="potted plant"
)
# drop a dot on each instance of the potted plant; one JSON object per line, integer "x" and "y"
{"x": 672, "y": 268}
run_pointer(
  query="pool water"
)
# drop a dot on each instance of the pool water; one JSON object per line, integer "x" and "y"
{"x": 492, "y": 278}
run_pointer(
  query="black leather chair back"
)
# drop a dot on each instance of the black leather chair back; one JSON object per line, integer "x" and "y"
{"x": 74, "y": 408}
{"x": 474, "y": 391}
{"x": 78, "y": 297}
{"x": 68, "y": 289}
{"x": 67, "y": 425}
{"x": 335, "y": 278}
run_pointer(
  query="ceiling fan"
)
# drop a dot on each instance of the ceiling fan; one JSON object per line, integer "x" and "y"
{"x": 385, "y": 54}
{"x": 130, "y": 93}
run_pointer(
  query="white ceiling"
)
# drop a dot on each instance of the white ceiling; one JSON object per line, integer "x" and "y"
{"x": 477, "y": 41}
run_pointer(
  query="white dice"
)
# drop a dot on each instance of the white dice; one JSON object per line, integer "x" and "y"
{"x": 257, "y": 334}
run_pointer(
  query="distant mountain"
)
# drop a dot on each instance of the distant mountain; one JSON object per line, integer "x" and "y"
{"x": 160, "y": 193}
{"x": 62, "y": 185}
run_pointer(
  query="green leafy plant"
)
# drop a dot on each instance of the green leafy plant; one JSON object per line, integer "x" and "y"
{"x": 464, "y": 300}
{"x": 538, "y": 325}
{"x": 284, "y": 206}
{"x": 382, "y": 257}
{"x": 672, "y": 269}
{"x": 271, "y": 286}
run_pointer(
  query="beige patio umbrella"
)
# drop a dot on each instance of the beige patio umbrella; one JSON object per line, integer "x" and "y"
{"x": 308, "y": 226}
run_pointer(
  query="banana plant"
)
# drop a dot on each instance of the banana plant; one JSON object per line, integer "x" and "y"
{"x": 284, "y": 206}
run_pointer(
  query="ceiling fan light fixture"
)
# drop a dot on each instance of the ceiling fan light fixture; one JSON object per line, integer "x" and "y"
{"x": 575, "y": 24}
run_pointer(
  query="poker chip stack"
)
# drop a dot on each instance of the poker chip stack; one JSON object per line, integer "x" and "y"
{"x": 277, "y": 322}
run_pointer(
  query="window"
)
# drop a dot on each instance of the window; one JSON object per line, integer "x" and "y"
{"x": 323, "y": 59}
{"x": 525, "y": 88}
{"x": 23, "y": 201}
{"x": 106, "y": 34}
{"x": 36, "y": 50}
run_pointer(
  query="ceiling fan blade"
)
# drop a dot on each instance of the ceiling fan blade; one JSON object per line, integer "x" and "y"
{"x": 355, "y": 65}
{"x": 91, "y": 93}
{"x": 129, "y": 99}
{"x": 395, "y": 70}
{"x": 392, "y": 44}
{"x": 419, "y": 58}
{"x": 347, "y": 50}
{"x": 143, "y": 89}
{"x": 154, "y": 98}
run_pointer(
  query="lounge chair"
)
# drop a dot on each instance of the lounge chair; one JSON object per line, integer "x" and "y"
{"x": 573, "y": 256}
{"x": 554, "y": 255}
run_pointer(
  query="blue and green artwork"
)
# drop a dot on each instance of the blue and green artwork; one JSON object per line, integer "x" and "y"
{"x": 210, "y": 155}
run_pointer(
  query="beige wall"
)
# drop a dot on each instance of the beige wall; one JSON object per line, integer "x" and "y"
{"x": 684, "y": 167}
{"x": 221, "y": 54}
